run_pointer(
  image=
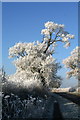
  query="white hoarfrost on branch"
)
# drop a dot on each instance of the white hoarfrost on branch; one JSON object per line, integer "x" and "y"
{"x": 35, "y": 65}
{"x": 73, "y": 63}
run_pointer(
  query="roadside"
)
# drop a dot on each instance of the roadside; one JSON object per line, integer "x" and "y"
{"x": 68, "y": 109}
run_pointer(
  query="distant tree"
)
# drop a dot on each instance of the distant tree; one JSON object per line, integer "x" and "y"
{"x": 73, "y": 63}
{"x": 35, "y": 65}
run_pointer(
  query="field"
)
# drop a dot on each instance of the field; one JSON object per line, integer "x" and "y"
{"x": 75, "y": 93}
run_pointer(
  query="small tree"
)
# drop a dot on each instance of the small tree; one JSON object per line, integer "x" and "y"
{"x": 73, "y": 63}
{"x": 3, "y": 75}
{"x": 35, "y": 65}
{"x": 3, "y": 78}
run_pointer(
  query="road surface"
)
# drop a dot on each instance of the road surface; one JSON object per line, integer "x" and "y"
{"x": 68, "y": 109}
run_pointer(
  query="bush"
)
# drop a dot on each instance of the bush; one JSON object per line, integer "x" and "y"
{"x": 13, "y": 107}
{"x": 22, "y": 92}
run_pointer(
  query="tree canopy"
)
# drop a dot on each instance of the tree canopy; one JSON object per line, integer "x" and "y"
{"x": 35, "y": 65}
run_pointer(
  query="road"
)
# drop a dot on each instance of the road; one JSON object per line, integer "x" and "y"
{"x": 68, "y": 109}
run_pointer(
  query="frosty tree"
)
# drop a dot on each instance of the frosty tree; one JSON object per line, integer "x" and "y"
{"x": 3, "y": 75}
{"x": 73, "y": 63}
{"x": 35, "y": 65}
